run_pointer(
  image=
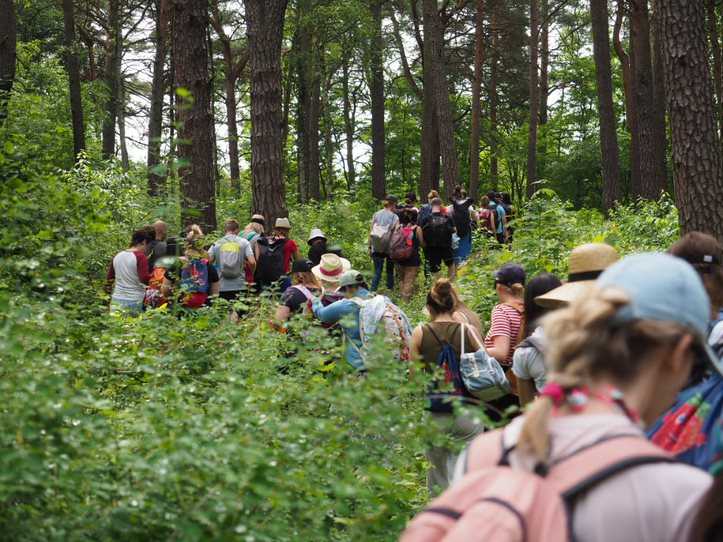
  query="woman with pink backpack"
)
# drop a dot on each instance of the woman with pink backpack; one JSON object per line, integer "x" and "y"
{"x": 577, "y": 465}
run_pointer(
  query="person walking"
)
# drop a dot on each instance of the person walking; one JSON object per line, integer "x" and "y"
{"x": 304, "y": 287}
{"x": 427, "y": 345}
{"x": 464, "y": 217}
{"x": 499, "y": 210}
{"x": 128, "y": 275}
{"x": 437, "y": 231}
{"x": 275, "y": 254}
{"x": 383, "y": 224}
{"x": 232, "y": 254}
{"x": 157, "y": 247}
{"x": 409, "y": 267}
{"x": 318, "y": 246}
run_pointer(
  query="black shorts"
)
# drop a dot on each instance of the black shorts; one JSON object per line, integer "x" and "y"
{"x": 230, "y": 295}
{"x": 437, "y": 255}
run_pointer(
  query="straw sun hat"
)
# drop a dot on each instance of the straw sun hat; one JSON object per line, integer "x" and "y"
{"x": 587, "y": 262}
{"x": 331, "y": 267}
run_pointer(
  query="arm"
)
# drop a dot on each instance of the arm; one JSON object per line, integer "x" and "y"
{"x": 166, "y": 287}
{"x": 331, "y": 314}
{"x": 213, "y": 279}
{"x": 250, "y": 258}
{"x": 144, "y": 274}
{"x": 283, "y": 313}
{"x": 420, "y": 237}
{"x": 500, "y": 348}
{"x": 526, "y": 389}
{"x": 416, "y": 344}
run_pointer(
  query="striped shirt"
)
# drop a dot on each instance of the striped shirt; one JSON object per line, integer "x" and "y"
{"x": 506, "y": 322}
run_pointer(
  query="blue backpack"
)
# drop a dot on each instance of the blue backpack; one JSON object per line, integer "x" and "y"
{"x": 195, "y": 283}
{"x": 443, "y": 393}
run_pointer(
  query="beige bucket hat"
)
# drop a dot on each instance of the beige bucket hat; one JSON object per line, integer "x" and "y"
{"x": 587, "y": 262}
{"x": 331, "y": 267}
{"x": 283, "y": 223}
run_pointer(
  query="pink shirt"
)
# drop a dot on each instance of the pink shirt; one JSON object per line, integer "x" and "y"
{"x": 651, "y": 503}
{"x": 506, "y": 322}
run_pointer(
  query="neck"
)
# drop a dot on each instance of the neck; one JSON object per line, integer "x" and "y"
{"x": 137, "y": 248}
{"x": 444, "y": 317}
{"x": 508, "y": 297}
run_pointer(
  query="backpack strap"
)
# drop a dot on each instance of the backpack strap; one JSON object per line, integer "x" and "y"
{"x": 304, "y": 290}
{"x": 487, "y": 450}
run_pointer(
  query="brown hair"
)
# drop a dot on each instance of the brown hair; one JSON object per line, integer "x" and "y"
{"x": 231, "y": 225}
{"x": 585, "y": 346}
{"x": 305, "y": 278}
{"x": 442, "y": 298}
{"x": 432, "y": 194}
{"x": 194, "y": 242}
{"x": 435, "y": 202}
{"x": 484, "y": 202}
{"x": 695, "y": 247}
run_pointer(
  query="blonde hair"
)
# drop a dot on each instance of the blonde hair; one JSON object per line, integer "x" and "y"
{"x": 305, "y": 278}
{"x": 585, "y": 345}
{"x": 432, "y": 194}
{"x": 253, "y": 227}
{"x": 194, "y": 242}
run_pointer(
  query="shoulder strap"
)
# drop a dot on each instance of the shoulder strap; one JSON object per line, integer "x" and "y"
{"x": 304, "y": 290}
{"x": 517, "y": 306}
{"x": 486, "y": 450}
{"x": 427, "y": 326}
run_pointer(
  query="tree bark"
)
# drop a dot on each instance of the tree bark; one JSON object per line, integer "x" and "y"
{"x": 112, "y": 76}
{"x": 73, "y": 69}
{"x": 192, "y": 81}
{"x": 314, "y": 124}
{"x": 544, "y": 89}
{"x": 158, "y": 89}
{"x": 652, "y": 151}
{"x": 265, "y": 22}
{"x": 376, "y": 90}
{"x": 349, "y": 118}
{"x": 476, "y": 115}
{"x": 661, "y": 136}
{"x": 123, "y": 143}
{"x": 534, "y": 101}
{"x": 697, "y": 165}
{"x": 630, "y": 115}
{"x": 8, "y": 45}
{"x": 435, "y": 63}
{"x": 715, "y": 47}
{"x": 603, "y": 75}
{"x": 303, "y": 43}
{"x": 494, "y": 98}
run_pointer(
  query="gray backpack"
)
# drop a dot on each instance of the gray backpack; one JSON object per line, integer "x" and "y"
{"x": 230, "y": 259}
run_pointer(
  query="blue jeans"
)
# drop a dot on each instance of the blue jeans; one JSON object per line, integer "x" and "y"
{"x": 121, "y": 306}
{"x": 464, "y": 248}
{"x": 378, "y": 267}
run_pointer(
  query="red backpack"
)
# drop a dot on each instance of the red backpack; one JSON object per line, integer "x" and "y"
{"x": 401, "y": 244}
{"x": 497, "y": 503}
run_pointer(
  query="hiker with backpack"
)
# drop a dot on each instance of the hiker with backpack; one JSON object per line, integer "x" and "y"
{"x": 346, "y": 313}
{"x": 197, "y": 281}
{"x": 318, "y": 246}
{"x": 433, "y": 344}
{"x": 157, "y": 247}
{"x": 438, "y": 231}
{"x": 577, "y": 465}
{"x": 304, "y": 288}
{"x": 329, "y": 272}
{"x": 253, "y": 231}
{"x": 528, "y": 361}
{"x": 686, "y": 430}
{"x": 404, "y": 250}
{"x": 232, "y": 254}
{"x": 499, "y": 210}
{"x": 383, "y": 224}
{"x": 464, "y": 216}
{"x": 487, "y": 217}
{"x": 275, "y": 254}
{"x": 128, "y": 274}
{"x": 510, "y": 214}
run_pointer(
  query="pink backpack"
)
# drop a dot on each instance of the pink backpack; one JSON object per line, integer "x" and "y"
{"x": 497, "y": 503}
{"x": 401, "y": 245}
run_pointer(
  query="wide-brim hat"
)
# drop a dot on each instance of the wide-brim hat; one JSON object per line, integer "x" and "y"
{"x": 587, "y": 262}
{"x": 331, "y": 267}
{"x": 283, "y": 223}
{"x": 316, "y": 233}
{"x": 351, "y": 278}
{"x": 258, "y": 219}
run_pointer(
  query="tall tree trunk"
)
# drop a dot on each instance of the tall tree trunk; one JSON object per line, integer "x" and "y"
{"x": 348, "y": 128}
{"x": 476, "y": 116}
{"x": 433, "y": 33}
{"x": 534, "y": 101}
{"x": 265, "y": 20}
{"x": 697, "y": 165}
{"x": 112, "y": 77}
{"x": 603, "y": 75}
{"x": 73, "y": 69}
{"x": 303, "y": 42}
{"x": 544, "y": 89}
{"x": 328, "y": 137}
{"x": 123, "y": 143}
{"x": 652, "y": 151}
{"x": 314, "y": 124}
{"x": 630, "y": 114}
{"x": 715, "y": 47}
{"x": 494, "y": 98}
{"x": 190, "y": 55}
{"x": 8, "y": 37}
{"x": 661, "y": 136}
{"x": 429, "y": 179}
{"x": 158, "y": 90}
{"x": 376, "y": 90}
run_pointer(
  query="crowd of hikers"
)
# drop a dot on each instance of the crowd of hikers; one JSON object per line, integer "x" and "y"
{"x": 615, "y": 371}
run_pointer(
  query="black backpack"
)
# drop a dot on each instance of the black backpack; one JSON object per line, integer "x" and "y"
{"x": 270, "y": 265}
{"x": 438, "y": 231}
{"x": 460, "y": 214}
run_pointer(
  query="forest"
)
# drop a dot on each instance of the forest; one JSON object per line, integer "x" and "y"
{"x": 603, "y": 120}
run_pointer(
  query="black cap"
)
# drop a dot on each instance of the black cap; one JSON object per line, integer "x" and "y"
{"x": 491, "y": 194}
{"x": 393, "y": 199}
{"x": 411, "y": 196}
{"x": 510, "y": 274}
{"x": 302, "y": 265}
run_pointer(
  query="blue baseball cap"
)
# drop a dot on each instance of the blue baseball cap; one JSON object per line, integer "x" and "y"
{"x": 665, "y": 289}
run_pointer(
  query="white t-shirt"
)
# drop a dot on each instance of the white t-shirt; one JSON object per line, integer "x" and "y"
{"x": 650, "y": 503}
{"x": 529, "y": 363}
